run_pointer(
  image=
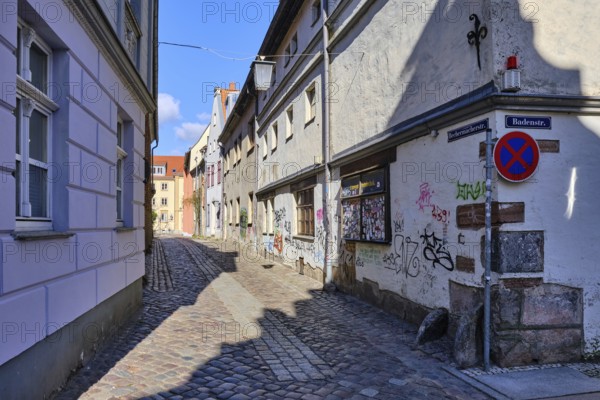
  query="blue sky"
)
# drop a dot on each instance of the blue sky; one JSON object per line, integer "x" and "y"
{"x": 233, "y": 31}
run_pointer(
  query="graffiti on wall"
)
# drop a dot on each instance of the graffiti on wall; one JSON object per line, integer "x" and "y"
{"x": 473, "y": 191}
{"x": 439, "y": 214}
{"x": 320, "y": 215}
{"x": 435, "y": 250}
{"x": 346, "y": 253}
{"x": 278, "y": 242}
{"x": 425, "y": 194}
{"x": 243, "y": 222}
{"x": 278, "y": 220}
{"x": 405, "y": 257}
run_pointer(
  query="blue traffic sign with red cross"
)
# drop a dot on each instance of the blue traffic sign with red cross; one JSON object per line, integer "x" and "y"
{"x": 516, "y": 156}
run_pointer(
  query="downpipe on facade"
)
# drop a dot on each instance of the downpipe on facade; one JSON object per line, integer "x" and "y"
{"x": 489, "y": 165}
{"x": 327, "y": 251}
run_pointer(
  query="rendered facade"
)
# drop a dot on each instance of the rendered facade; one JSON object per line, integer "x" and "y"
{"x": 78, "y": 109}
{"x": 370, "y": 161}
{"x": 170, "y": 183}
{"x": 223, "y": 101}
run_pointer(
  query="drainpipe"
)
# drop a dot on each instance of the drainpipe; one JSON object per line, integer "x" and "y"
{"x": 489, "y": 165}
{"x": 326, "y": 153}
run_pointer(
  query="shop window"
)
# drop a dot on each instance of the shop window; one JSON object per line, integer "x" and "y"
{"x": 365, "y": 206}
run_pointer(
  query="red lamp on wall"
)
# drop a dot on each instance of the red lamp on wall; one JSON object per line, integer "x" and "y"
{"x": 511, "y": 79}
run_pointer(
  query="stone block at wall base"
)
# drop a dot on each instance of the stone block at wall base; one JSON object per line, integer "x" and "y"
{"x": 50, "y": 362}
{"x": 545, "y": 346}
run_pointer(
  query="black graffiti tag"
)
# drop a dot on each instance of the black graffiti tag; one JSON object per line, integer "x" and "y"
{"x": 435, "y": 251}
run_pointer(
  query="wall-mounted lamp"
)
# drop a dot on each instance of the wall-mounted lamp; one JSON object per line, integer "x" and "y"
{"x": 263, "y": 72}
{"x": 511, "y": 79}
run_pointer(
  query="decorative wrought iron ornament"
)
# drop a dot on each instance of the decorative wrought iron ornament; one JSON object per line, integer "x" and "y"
{"x": 476, "y": 36}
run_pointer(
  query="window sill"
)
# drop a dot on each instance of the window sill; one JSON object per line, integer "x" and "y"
{"x": 303, "y": 237}
{"x": 40, "y": 235}
{"x": 124, "y": 229}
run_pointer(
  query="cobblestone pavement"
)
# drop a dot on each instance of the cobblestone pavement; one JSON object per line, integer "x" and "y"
{"x": 218, "y": 326}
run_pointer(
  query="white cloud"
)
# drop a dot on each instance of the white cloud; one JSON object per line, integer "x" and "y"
{"x": 189, "y": 131}
{"x": 204, "y": 117}
{"x": 168, "y": 108}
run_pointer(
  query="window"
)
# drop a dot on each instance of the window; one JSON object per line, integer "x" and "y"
{"x": 305, "y": 224}
{"x": 289, "y": 127}
{"x": 154, "y": 201}
{"x": 275, "y": 132}
{"x": 33, "y": 127}
{"x": 270, "y": 215}
{"x": 163, "y": 201}
{"x": 239, "y": 149}
{"x": 250, "y": 136}
{"x": 121, "y": 155}
{"x": 235, "y": 152}
{"x": 364, "y": 206}
{"x": 219, "y": 172}
{"x": 164, "y": 186}
{"x": 237, "y": 211}
{"x": 287, "y": 55}
{"x": 294, "y": 44}
{"x": 208, "y": 206}
{"x": 311, "y": 103}
{"x": 250, "y": 208}
{"x": 231, "y": 217}
{"x": 265, "y": 146}
{"x": 164, "y": 216}
{"x": 316, "y": 11}
{"x": 158, "y": 170}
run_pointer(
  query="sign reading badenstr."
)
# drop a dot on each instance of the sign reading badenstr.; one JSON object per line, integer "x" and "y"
{"x": 521, "y": 121}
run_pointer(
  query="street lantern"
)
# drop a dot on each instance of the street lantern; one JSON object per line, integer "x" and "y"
{"x": 263, "y": 72}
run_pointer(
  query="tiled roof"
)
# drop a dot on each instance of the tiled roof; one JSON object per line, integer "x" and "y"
{"x": 171, "y": 163}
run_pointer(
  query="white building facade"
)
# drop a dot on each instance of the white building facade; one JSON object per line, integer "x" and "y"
{"x": 77, "y": 108}
{"x": 381, "y": 175}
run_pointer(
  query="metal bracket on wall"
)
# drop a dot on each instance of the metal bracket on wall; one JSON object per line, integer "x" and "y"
{"x": 476, "y": 36}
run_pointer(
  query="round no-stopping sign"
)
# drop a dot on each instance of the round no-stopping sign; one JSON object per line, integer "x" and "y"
{"x": 516, "y": 156}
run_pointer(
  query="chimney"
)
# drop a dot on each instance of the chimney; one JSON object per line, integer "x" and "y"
{"x": 232, "y": 86}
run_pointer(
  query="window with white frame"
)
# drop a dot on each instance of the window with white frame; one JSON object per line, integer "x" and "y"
{"x": 316, "y": 11}
{"x": 164, "y": 186}
{"x": 289, "y": 126}
{"x": 275, "y": 133}
{"x": 164, "y": 201}
{"x": 33, "y": 114}
{"x": 231, "y": 212}
{"x": 235, "y": 152}
{"x": 121, "y": 155}
{"x": 287, "y": 55}
{"x": 311, "y": 103}
{"x": 294, "y": 44}
{"x": 250, "y": 208}
{"x": 208, "y": 206}
{"x": 250, "y": 136}
{"x": 158, "y": 170}
{"x": 237, "y": 211}
{"x": 270, "y": 215}
{"x": 265, "y": 146}
{"x": 239, "y": 149}
{"x": 154, "y": 201}
{"x": 164, "y": 216}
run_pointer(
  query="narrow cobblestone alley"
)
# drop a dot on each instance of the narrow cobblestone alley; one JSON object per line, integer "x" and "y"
{"x": 219, "y": 325}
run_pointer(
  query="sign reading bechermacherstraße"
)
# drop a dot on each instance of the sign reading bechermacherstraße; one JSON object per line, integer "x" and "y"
{"x": 468, "y": 130}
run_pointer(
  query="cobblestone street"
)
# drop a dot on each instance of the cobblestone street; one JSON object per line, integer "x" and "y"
{"x": 219, "y": 325}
